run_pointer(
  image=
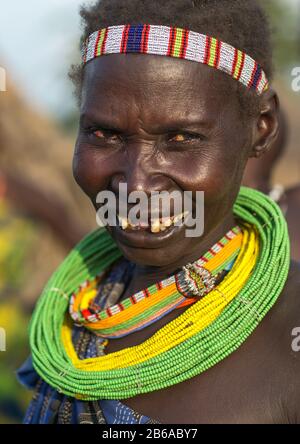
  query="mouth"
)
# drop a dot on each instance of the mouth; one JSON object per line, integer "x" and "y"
{"x": 155, "y": 226}
{"x": 150, "y": 235}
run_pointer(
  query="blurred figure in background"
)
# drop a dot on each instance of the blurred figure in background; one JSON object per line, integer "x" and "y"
{"x": 44, "y": 207}
{"x": 258, "y": 175}
{"x": 40, "y": 209}
{"x": 37, "y": 188}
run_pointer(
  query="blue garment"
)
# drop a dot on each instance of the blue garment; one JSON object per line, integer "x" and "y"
{"x": 50, "y": 407}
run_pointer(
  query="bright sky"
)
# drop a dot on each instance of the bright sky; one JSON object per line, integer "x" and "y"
{"x": 38, "y": 40}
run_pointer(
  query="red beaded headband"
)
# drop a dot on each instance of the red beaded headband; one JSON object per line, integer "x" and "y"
{"x": 180, "y": 43}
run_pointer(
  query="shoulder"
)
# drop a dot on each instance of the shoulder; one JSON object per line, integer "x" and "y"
{"x": 292, "y": 217}
{"x": 289, "y": 301}
{"x": 292, "y": 286}
{"x": 286, "y": 312}
{"x": 293, "y": 194}
{"x": 284, "y": 323}
{"x": 285, "y": 315}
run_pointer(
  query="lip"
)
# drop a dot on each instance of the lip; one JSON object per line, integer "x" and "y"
{"x": 146, "y": 239}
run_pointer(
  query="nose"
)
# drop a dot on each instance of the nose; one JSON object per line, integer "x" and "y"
{"x": 142, "y": 170}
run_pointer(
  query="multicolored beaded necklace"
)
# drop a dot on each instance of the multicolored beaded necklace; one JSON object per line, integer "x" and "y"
{"x": 148, "y": 305}
{"x": 206, "y": 333}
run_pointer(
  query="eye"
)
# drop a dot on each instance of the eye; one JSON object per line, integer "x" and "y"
{"x": 185, "y": 137}
{"x": 178, "y": 138}
{"x": 99, "y": 134}
{"x": 105, "y": 135}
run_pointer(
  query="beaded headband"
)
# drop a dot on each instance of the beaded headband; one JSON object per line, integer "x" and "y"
{"x": 180, "y": 43}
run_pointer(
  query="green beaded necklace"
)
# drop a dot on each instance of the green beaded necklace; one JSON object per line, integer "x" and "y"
{"x": 191, "y": 357}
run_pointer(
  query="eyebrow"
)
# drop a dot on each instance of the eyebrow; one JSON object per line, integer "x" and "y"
{"x": 102, "y": 121}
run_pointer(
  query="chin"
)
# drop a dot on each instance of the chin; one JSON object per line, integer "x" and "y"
{"x": 149, "y": 249}
{"x": 147, "y": 257}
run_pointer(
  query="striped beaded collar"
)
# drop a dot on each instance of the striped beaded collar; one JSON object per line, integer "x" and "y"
{"x": 104, "y": 315}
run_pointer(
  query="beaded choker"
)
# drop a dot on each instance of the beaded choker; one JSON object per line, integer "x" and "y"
{"x": 206, "y": 333}
{"x": 178, "y": 43}
{"x": 143, "y": 308}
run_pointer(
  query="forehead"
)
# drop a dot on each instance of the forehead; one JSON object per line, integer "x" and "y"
{"x": 154, "y": 86}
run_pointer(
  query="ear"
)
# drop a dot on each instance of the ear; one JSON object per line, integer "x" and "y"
{"x": 266, "y": 125}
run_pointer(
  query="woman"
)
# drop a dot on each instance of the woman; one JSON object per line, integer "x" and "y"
{"x": 164, "y": 327}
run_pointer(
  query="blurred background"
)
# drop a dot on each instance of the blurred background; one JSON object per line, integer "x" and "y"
{"x": 42, "y": 211}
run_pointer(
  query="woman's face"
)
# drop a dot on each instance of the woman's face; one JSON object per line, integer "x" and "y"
{"x": 160, "y": 124}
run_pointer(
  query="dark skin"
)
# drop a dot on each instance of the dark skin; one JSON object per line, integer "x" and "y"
{"x": 258, "y": 171}
{"x": 132, "y": 110}
{"x": 293, "y": 217}
{"x": 258, "y": 175}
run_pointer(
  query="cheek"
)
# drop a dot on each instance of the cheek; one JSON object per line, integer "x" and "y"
{"x": 213, "y": 171}
{"x": 216, "y": 170}
{"x": 91, "y": 170}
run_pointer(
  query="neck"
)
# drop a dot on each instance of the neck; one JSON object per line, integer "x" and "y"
{"x": 144, "y": 276}
{"x": 262, "y": 184}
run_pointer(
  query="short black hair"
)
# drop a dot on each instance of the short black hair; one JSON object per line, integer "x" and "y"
{"x": 241, "y": 23}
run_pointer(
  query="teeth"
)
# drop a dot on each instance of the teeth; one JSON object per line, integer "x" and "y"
{"x": 166, "y": 222}
{"x": 181, "y": 216}
{"x": 178, "y": 217}
{"x": 157, "y": 225}
{"x": 162, "y": 227}
{"x": 123, "y": 222}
